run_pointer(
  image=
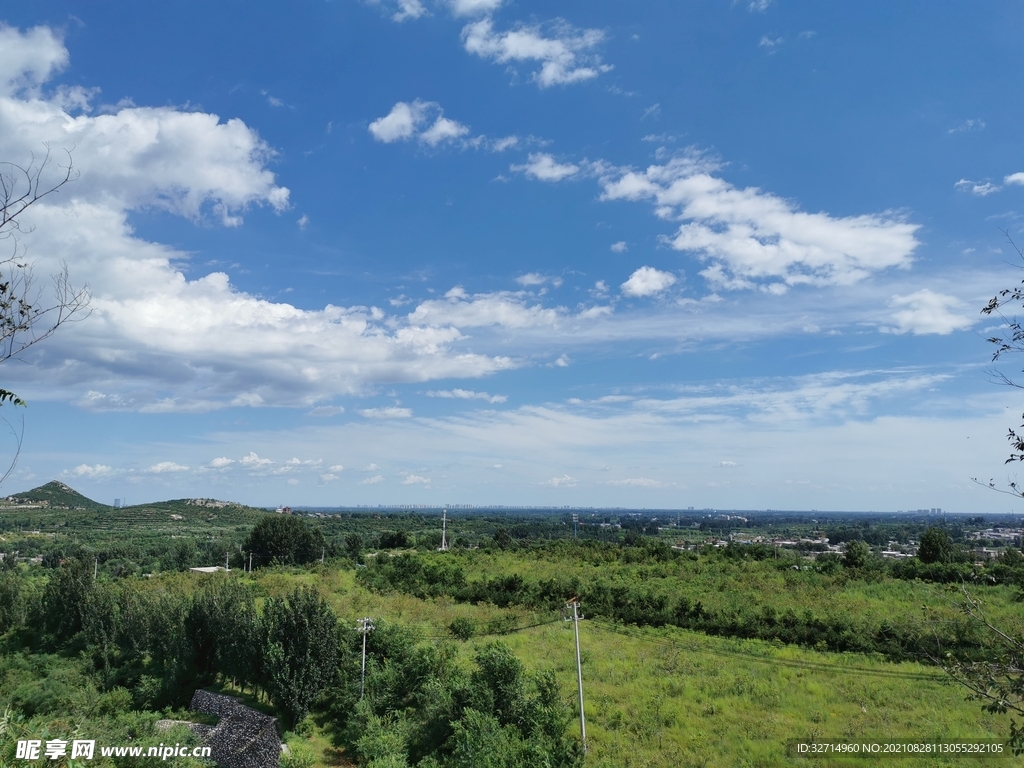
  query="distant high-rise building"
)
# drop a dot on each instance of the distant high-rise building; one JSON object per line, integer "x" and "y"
{"x": 117, "y": 502}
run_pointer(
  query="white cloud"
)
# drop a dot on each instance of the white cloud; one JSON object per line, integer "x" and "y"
{"x": 770, "y": 43}
{"x": 325, "y": 411}
{"x": 968, "y": 126}
{"x": 158, "y": 340}
{"x": 254, "y": 461}
{"x": 370, "y": 468}
{"x": 93, "y": 471}
{"x": 336, "y": 468}
{"x": 759, "y": 6}
{"x": 531, "y": 278}
{"x": 221, "y": 462}
{"x": 411, "y": 120}
{"x": 328, "y": 477}
{"x": 1014, "y": 178}
{"x": 561, "y": 482}
{"x": 29, "y": 59}
{"x": 474, "y": 7}
{"x": 416, "y": 480}
{"x": 754, "y": 239}
{"x": 647, "y": 281}
{"x": 389, "y": 412}
{"x": 467, "y": 394}
{"x": 167, "y": 466}
{"x": 639, "y": 482}
{"x": 543, "y": 167}
{"x": 926, "y": 312}
{"x": 619, "y": 247}
{"x": 303, "y": 221}
{"x": 652, "y": 111}
{"x": 562, "y": 361}
{"x": 566, "y": 56}
{"x": 979, "y": 188}
{"x": 727, "y": 463}
{"x": 372, "y": 480}
{"x": 506, "y": 142}
{"x": 409, "y": 9}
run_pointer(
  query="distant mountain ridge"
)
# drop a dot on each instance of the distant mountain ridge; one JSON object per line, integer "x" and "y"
{"x": 55, "y": 495}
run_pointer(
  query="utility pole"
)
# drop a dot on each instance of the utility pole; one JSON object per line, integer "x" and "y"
{"x": 95, "y": 567}
{"x": 227, "y": 560}
{"x": 576, "y": 619}
{"x": 323, "y": 551}
{"x": 444, "y": 532}
{"x": 365, "y": 627}
{"x": 575, "y": 520}
{"x": 250, "y": 562}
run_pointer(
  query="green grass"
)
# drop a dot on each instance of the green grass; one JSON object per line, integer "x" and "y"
{"x": 669, "y": 697}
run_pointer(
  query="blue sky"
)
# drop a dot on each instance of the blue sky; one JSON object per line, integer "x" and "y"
{"x": 725, "y": 254}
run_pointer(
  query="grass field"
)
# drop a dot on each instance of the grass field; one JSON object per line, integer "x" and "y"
{"x": 668, "y": 697}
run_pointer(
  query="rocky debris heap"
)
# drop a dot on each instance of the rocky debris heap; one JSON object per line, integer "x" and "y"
{"x": 242, "y": 738}
{"x": 209, "y": 503}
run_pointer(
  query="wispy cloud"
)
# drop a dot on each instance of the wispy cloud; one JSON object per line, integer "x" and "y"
{"x": 466, "y": 394}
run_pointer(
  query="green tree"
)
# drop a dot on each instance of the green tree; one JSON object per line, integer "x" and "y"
{"x": 285, "y": 539}
{"x": 301, "y": 652}
{"x": 936, "y": 546}
{"x": 65, "y": 599}
{"x": 857, "y": 554}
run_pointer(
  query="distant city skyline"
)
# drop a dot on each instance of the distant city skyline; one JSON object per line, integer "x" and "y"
{"x": 726, "y": 254}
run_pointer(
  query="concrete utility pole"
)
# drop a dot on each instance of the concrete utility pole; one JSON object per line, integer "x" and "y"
{"x": 95, "y": 567}
{"x": 444, "y": 532}
{"x": 227, "y": 561}
{"x": 365, "y": 627}
{"x": 250, "y": 562}
{"x": 576, "y": 619}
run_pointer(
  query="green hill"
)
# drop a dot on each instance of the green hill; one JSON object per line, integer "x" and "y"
{"x": 54, "y": 495}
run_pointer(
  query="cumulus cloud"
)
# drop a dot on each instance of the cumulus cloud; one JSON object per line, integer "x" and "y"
{"x": 253, "y": 461}
{"x": 467, "y": 394}
{"x": 372, "y": 480}
{"x": 543, "y": 167}
{"x": 619, "y": 247}
{"x": 221, "y": 462}
{"x": 423, "y": 121}
{"x": 647, "y": 281}
{"x": 926, "y": 312}
{"x": 753, "y": 239}
{"x": 416, "y": 480}
{"x": 1014, "y": 178}
{"x": 167, "y": 466}
{"x": 159, "y": 341}
{"x": 566, "y": 54}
